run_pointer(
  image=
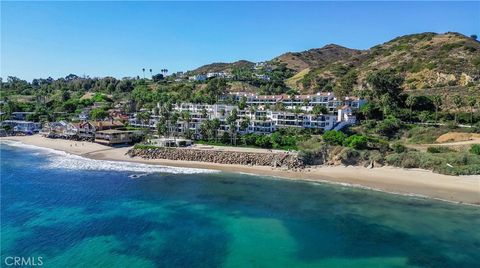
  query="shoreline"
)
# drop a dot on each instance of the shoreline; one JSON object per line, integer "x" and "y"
{"x": 413, "y": 182}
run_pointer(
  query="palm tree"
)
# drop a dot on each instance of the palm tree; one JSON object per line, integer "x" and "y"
{"x": 437, "y": 101}
{"x": 458, "y": 102}
{"x": 231, "y": 120}
{"x": 387, "y": 103}
{"x": 161, "y": 127}
{"x": 471, "y": 101}
{"x": 215, "y": 127}
{"x": 143, "y": 70}
{"x": 165, "y": 115}
{"x": 151, "y": 74}
{"x": 244, "y": 124}
{"x": 186, "y": 117}
{"x": 173, "y": 121}
{"x": 205, "y": 129}
{"x": 297, "y": 111}
{"x": 410, "y": 102}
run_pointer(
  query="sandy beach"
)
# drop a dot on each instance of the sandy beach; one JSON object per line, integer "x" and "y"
{"x": 464, "y": 189}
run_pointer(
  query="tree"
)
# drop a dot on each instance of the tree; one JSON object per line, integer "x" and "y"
{"x": 157, "y": 77}
{"x": 471, "y": 101}
{"x": 215, "y": 127}
{"x": 143, "y": 70}
{"x": 319, "y": 110}
{"x": 215, "y": 88}
{"x": 437, "y": 101}
{"x": 144, "y": 117}
{"x": 98, "y": 114}
{"x": 204, "y": 113}
{"x": 244, "y": 124}
{"x": 206, "y": 129}
{"x": 387, "y": 102}
{"x": 474, "y": 36}
{"x": 389, "y": 127}
{"x": 231, "y": 121}
{"x": 161, "y": 127}
{"x": 165, "y": 115}
{"x": 386, "y": 81}
{"x": 423, "y": 116}
{"x": 173, "y": 122}
{"x": 410, "y": 102}
{"x": 243, "y": 103}
{"x": 186, "y": 117}
{"x": 458, "y": 102}
{"x": 370, "y": 111}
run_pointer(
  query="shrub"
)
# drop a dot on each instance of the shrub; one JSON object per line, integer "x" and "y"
{"x": 438, "y": 149}
{"x": 453, "y": 163}
{"x": 144, "y": 146}
{"x": 389, "y": 127}
{"x": 399, "y": 148}
{"x": 475, "y": 149}
{"x": 358, "y": 142}
{"x": 263, "y": 141}
{"x": 420, "y": 134}
{"x": 314, "y": 156}
{"x": 349, "y": 156}
{"x": 334, "y": 137}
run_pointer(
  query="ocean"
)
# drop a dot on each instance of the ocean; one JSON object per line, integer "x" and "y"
{"x": 68, "y": 211}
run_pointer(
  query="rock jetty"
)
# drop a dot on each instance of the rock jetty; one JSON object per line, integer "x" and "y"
{"x": 279, "y": 160}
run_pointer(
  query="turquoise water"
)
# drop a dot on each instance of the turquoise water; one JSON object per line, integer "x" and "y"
{"x": 76, "y": 212}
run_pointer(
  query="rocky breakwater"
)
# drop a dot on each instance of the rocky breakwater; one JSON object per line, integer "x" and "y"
{"x": 280, "y": 160}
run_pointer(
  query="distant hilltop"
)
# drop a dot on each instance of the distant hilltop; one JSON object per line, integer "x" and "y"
{"x": 424, "y": 60}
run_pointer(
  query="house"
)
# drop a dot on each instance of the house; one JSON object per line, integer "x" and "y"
{"x": 21, "y": 116}
{"x": 345, "y": 114}
{"x": 170, "y": 142}
{"x": 104, "y": 125}
{"x": 86, "y": 130}
{"x": 113, "y": 136}
{"x": 198, "y": 78}
{"x": 19, "y": 126}
{"x": 59, "y": 129}
{"x": 84, "y": 114}
{"x": 217, "y": 74}
{"x": 263, "y": 77}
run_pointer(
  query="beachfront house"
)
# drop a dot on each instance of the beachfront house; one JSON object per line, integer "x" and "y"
{"x": 20, "y": 126}
{"x": 88, "y": 129}
{"x": 20, "y": 116}
{"x": 59, "y": 129}
{"x": 114, "y": 136}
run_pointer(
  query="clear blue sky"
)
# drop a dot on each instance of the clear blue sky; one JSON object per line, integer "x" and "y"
{"x": 41, "y": 39}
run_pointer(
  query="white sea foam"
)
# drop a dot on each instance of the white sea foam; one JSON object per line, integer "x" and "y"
{"x": 62, "y": 160}
{"x": 136, "y": 176}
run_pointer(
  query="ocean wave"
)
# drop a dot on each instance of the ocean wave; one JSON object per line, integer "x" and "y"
{"x": 61, "y": 160}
